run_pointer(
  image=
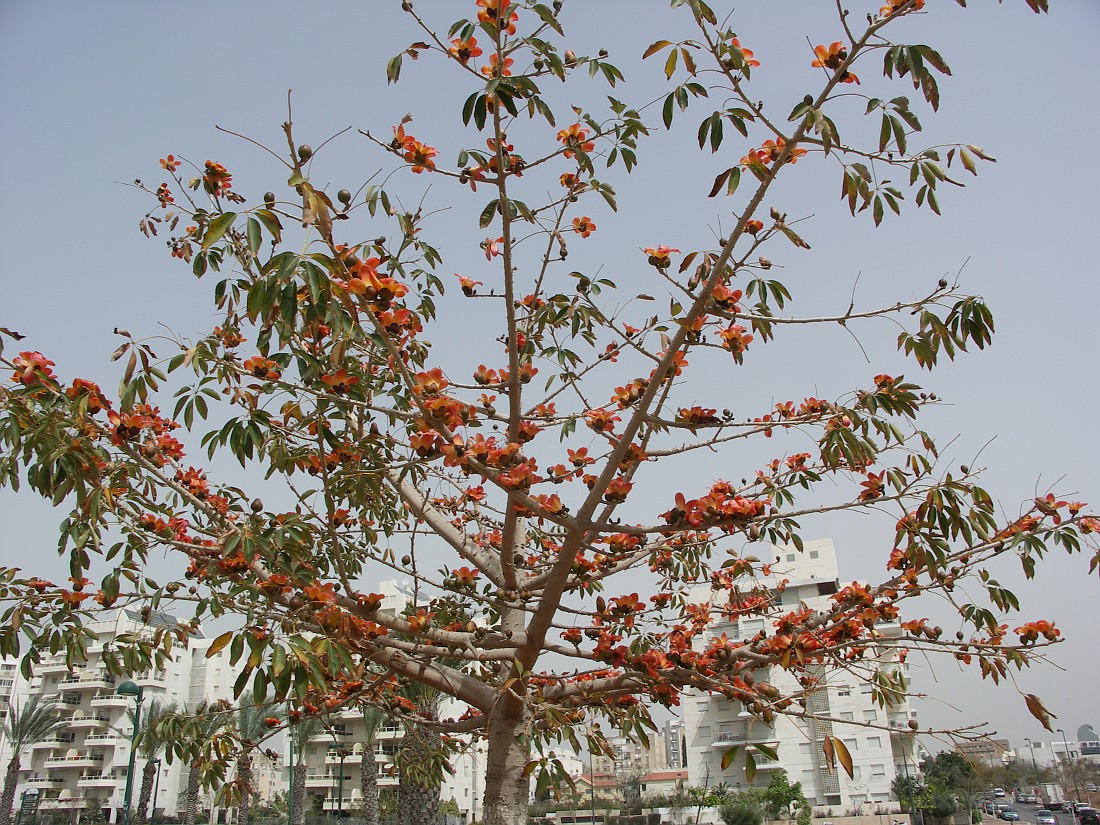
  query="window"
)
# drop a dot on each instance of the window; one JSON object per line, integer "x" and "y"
{"x": 847, "y": 716}
{"x": 844, "y": 690}
{"x": 790, "y": 557}
{"x": 878, "y": 771}
{"x": 814, "y": 554}
{"x": 852, "y": 744}
{"x": 874, "y": 742}
{"x": 704, "y": 732}
{"x": 809, "y": 779}
{"x": 870, "y": 715}
{"x": 865, "y": 688}
{"x": 805, "y": 750}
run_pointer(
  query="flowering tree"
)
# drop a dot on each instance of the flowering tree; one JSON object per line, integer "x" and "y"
{"x": 514, "y": 481}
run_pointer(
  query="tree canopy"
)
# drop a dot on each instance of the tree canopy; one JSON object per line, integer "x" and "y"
{"x": 559, "y": 579}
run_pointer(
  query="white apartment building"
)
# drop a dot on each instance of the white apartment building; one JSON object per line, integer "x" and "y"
{"x": 85, "y": 763}
{"x": 675, "y": 750}
{"x": 633, "y": 758}
{"x": 879, "y": 739}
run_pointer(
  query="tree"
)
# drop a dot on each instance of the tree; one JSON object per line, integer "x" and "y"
{"x": 205, "y": 724}
{"x": 25, "y": 724}
{"x": 150, "y": 742}
{"x": 780, "y": 795}
{"x": 300, "y": 732}
{"x": 254, "y": 720}
{"x": 373, "y": 721}
{"x": 738, "y": 811}
{"x": 514, "y": 479}
{"x": 420, "y": 760}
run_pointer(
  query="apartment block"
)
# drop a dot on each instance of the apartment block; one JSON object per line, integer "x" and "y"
{"x": 84, "y": 765}
{"x": 842, "y": 705}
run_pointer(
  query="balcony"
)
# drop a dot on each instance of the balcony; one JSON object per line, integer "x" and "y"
{"x": 67, "y": 802}
{"x": 76, "y": 760}
{"x": 331, "y": 804}
{"x": 110, "y": 700}
{"x": 86, "y": 720}
{"x": 58, "y": 741}
{"x": 87, "y": 681}
{"x": 728, "y": 739}
{"x": 324, "y": 780}
{"x": 44, "y": 780}
{"x": 104, "y": 739}
{"x": 54, "y": 664}
{"x": 151, "y": 679}
{"x": 97, "y": 780}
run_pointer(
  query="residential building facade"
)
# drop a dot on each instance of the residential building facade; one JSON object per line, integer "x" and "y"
{"x": 843, "y": 704}
{"x": 84, "y": 765}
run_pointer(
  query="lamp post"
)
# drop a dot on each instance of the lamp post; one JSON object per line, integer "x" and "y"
{"x": 156, "y": 793}
{"x": 129, "y": 688}
{"x": 290, "y": 793}
{"x": 1073, "y": 771}
{"x": 1034, "y": 766}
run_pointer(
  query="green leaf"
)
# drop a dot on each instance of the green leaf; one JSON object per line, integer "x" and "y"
{"x": 670, "y": 64}
{"x": 750, "y": 767}
{"x": 254, "y": 237}
{"x": 217, "y": 228}
{"x": 488, "y": 212}
{"x": 548, "y": 18}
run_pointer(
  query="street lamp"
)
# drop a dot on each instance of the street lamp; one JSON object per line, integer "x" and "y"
{"x": 129, "y": 688}
{"x": 1073, "y": 771}
{"x": 1034, "y": 766}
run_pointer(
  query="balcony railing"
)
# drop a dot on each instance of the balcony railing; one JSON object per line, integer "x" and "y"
{"x": 104, "y": 737}
{"x": 75, "y": 759}
{"x": 86, "y": 720}
{"x": 44, "y": 780}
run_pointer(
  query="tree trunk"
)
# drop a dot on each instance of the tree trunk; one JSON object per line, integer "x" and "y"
{"x": 191, "y": 800}
{"x": 506, "y": 788}
{"x": 11, "y": 777}
{"x": 368, "y": 784}
{"x": 298, "y": 781}
{"x": 148, "y": 774}
{"x": 418, "y": 790}
{"x": 244, "y": 777}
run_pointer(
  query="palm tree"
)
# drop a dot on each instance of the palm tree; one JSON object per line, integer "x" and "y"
{"x": 24, "y": 726}
{"x": 150, "y": 743}
{"x": 420, "y": 763}
{"x": 373, "y": 720}
{"x": 300, "y": 733}
{"x": 205, "y": 725}
{"x": 251, "y": 727}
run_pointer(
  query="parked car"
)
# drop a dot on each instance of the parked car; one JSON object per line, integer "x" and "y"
{"x": 1067, "y": 806}
{"x": 1088, "y": 816}
{"x": 1091, "y": 787}
{"x": 998, "y": 791}
{"x": 1045, "y": 817}
{"x": 1009, "y": 814}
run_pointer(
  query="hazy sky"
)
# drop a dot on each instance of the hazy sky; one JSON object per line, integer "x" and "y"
{"x": 92, "y": 94}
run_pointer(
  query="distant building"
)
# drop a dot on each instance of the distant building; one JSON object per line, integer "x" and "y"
{"x": 675, "y": 744}
{"x": 843, "y": 705}
{"x": 633, "y": 758}
{"x": 993, "y": 753}
{"x": 664, "y": 782}
{"x": 84, "y": 765}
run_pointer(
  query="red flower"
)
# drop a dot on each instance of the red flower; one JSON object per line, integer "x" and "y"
{"x": 575, "y": 139}
{"x": 469, "y": 286}
{"x": 170, "y": 163}
{"x": 495, "y": 13}
{"x": 746, "y": 54}
{"x": 463, "y": 50}
{"x": 584, "y": 226}
{"x": 216, "y": 178}
{"x": 893, "y": 5}
{"x": 491, "y": 247}
{"x": 494, "y": 68}
{"x": 831, "y": 57}
{"x": 659, "y": 256}
{"x": 32, "y": 368}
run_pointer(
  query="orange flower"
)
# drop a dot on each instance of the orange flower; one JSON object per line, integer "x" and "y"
{"x": 495, "y": 12}
{"x": 831, "y": 57}
{"x": 494, "y": 68}
{"x": 575, "y": 139}
{"x": 419, "y": 155}
{"x": 746, "y": 54}
{"x": 469, "y": 286}
{"x": 891, "y": 7}
{"x": 170, "y": 163}
{"x": 770, "y": 151}
{"x": 216, "y": 178}
{"x": 584, "y": 226}
{"x": 659, "y": 256}
{"x": 261, "y": 367}
{"x": 32, "y": 368}
{"x": 753, "y": 226}
{"x": 463, "y": 50}
{"x": 491, "y": 247}
{"x": 339, "y": 382}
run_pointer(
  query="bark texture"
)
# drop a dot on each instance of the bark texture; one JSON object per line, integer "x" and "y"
{"x": 298, "y": 780}
{"x": 506, "y": 788}
{"x": 244, "y": 776}
{"x": 368, "y": 784}
{"x": 148, "y": 774}
{"x": 418, "y": 790}
{"x": 191, "y": 798}
{"x": 11, "y": 775}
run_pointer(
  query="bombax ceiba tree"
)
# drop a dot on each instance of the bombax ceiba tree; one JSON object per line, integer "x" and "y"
{"x": 523, "y": 482}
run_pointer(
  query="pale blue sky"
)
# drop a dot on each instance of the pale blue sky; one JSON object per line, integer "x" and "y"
{"x": 93, "y": 94}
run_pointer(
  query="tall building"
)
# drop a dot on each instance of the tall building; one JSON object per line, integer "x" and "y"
{"x": 633, "y": 758}
{"x": 675, "y": 745}
{"x": 843, "y": 705}
{"x": 84, "y": 764}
